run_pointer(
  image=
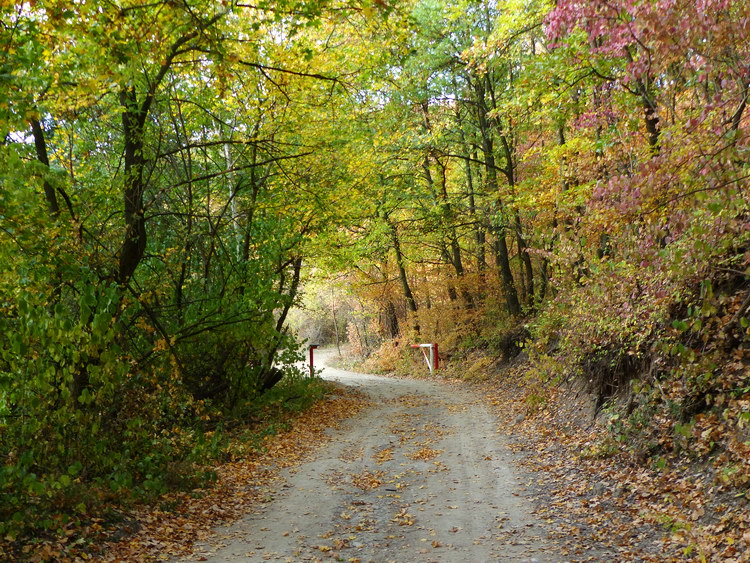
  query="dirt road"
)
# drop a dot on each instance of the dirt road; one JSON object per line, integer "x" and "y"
{"x": 423, "y": 475}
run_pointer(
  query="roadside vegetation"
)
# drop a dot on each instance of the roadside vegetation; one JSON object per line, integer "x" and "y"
{"x": 558, "y": 187}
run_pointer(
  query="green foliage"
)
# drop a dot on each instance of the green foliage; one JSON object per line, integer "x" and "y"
{"x": 155, "y": 213}
{"x": 475, "y": 167}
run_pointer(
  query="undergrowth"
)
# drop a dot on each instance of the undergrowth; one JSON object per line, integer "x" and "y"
{"x": 662, "y": 351}
{"x": 180, "y": 457}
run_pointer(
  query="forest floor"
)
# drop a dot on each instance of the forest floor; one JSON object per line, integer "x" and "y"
{"x": 410, "y": 469}
{"x": 600, "y": 497}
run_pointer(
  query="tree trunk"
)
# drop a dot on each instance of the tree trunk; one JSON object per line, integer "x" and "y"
{"x": 650, "y": 117}
{"x": 525, "y": 260}
{"x": 411, "y": 303}
{"x": 480, "y": 234}
{"x": 501, "y": 246}
{"x": 335, "y": 321}
{"x": 178, "y": 122}
{"x": 270, "y": 375}
{"x": 40, "y": 144}
{"x": 509, "y": 170}
{"x": 452, "y": 294}
{"x": 134, "y": 242}
{"x": 650, "y": 108}
{"x": 391, "y": 320}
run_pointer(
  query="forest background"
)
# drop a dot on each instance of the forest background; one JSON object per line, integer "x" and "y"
{"x": 562, "y": 180}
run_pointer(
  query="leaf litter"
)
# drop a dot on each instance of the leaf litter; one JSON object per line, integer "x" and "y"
{"x": 169, "y": 528}
{"x": 597, "y": 502}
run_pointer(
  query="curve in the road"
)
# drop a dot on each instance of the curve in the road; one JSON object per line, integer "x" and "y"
{"x": 422, "y": 475}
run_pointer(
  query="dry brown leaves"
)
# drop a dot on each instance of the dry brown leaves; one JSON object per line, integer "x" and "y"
{"x": 403, "y": 518}
{"x": 184, "y": 518}
{"x": 383, "y": 455}
{"x": 614, "y": 504}
{"x": 424, "y": 454}
{"x": 368, "y": 480}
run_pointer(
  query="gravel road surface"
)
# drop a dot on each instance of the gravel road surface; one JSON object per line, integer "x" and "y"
{"x": 421, "y": 475}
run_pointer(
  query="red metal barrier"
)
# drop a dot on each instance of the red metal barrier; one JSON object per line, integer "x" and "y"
{"x": 431, "y": 355}
{"x": 312, "y": 369}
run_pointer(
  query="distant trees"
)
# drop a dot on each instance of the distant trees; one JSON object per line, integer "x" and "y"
{"x": 560, "y": 139}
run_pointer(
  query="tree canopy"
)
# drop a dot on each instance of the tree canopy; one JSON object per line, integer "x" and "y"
{"x": 173, "y": 172}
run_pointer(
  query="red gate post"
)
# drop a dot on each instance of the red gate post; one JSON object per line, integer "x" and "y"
{"x": 312, "y": 370}
{"x": 430, "y": 353}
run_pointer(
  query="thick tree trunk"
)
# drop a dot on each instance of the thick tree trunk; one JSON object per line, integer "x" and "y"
{"x": 651, "y": 119}
{"x": 451, "y": 288}
{"x": 134, "y": 115}
{"x": 134, "y": 242}
{"x": 506, "y": 276}
{"x": 391, "y": 320}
